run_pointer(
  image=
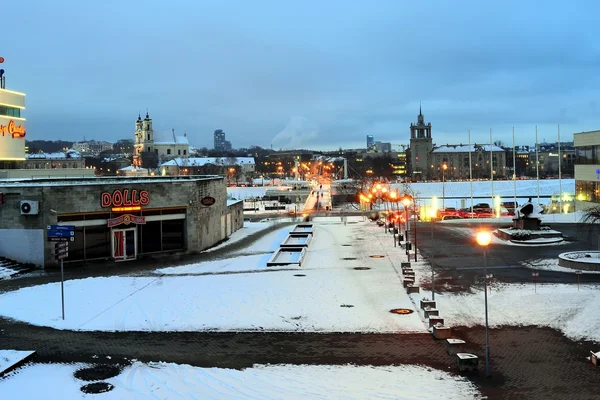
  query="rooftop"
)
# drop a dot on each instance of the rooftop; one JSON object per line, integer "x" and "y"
{"x": 103, "y": 181}
{"x": 200, "y": 161}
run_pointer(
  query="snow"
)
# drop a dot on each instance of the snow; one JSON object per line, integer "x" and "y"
{"x": 169, "y": 381}
{"x": 201, "y": 161}
{"x": 584, "y": 257}
{"x": 270, "y": 300}
{"x": 551, "y": 264}
{"x": 457, "y": 192}
{"x": 564, "y": 307}
{"x": 8, "y": 358}
{"x": 6, "y": 272}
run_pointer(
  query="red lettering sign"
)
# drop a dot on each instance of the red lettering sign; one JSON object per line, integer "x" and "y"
{"x": 144, "y": 198}
{"x": 105, "y": 199}
{"x": 125, "y": 198}
{"x": 16, "y": 131}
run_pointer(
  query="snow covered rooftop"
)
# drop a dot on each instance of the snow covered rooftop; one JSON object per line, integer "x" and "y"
{"x": 133, "y": 168}
{"x": 200, "y": 161}
{"x": 69, "y": 154}
{"x": 169, "y": 138}
{"x": 102, "y": 181}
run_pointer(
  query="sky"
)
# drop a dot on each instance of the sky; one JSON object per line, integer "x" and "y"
{"x": 310, "y": 74}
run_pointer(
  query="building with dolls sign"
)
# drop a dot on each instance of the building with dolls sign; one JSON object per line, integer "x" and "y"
{"x": 116, "y": 218}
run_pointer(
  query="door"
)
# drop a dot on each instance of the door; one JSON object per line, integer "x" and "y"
{"x": 124, "y": 244}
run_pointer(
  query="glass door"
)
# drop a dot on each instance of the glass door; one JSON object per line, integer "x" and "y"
{"x": 124, "y": 244}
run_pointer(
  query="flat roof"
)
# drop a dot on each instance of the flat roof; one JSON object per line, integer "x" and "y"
{"x": 101, "y": 180}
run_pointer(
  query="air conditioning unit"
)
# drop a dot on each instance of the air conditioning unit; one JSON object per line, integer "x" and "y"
{"x": 29, "y": 207}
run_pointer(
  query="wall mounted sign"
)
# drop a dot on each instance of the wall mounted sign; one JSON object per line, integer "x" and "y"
{"x": 207, "y": 201}
{"x": 126, "y": 219}
{"x": 119, "y": 198}
{"x": 16, "y": 131}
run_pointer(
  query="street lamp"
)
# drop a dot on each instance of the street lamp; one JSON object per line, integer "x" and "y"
{"x": 483, "y": 239}
{"x": 393, "y": 197}
{"x": 432, "y": 213}
{"x": 444, "y": 168}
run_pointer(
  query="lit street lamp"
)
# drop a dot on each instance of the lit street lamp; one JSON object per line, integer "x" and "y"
{"x": 483, "y": 239}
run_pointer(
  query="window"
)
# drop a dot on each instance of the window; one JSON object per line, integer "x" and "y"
{"x": 149, "y": 149}
{"x": 168, "y": 151}
{"x": 148, "y": 136}
{"x": 178, "y": 152}
{"x": 184, "y": 152}
{"x": 10, "y": 111}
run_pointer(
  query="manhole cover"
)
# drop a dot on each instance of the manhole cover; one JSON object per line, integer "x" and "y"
{"x": 97, "y": 387}
{"x": 347, "y": 305}
{"x": 377, "y": 256}
{"x": 97, "y": 373}
{"x": 349, "y": 258}
{"x": 299, "y": 275}
{"x": 401, "y": 311}
{"x": 347, "y": 245}
{"x": 361, "y": 268}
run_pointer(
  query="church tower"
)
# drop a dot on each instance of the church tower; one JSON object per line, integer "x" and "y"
{"x": 420, "y": 148}
{"x": 144, "y": 138}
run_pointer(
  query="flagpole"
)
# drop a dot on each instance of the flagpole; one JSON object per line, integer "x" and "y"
{"x": 559, "y": 172}
{"x": 514, "y": 170}
{"x": 537, "y": 165}
{"x": 492, "y": 169}
{"x": 470, "y": 173}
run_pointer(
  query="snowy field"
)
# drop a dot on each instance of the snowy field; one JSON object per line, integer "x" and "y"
{"x": 332, "y": 297}
{"x": 142, "y": 381}
{"x": 563, "y": 307}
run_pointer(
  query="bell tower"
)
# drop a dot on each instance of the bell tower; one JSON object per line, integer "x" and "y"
{"x": 420, "y": 148}
{"x": 144, "y": 138}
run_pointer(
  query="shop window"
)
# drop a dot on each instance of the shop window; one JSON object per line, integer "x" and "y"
{"x": 150, "y": 234}
{"x": 173, "y": 235}
{"x": 97, "y": 242}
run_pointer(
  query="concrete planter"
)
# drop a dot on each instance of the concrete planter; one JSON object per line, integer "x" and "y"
{"x": 427, "y": 303}
{"x": 435, "y": 320}
{"x": 412, "y": 289}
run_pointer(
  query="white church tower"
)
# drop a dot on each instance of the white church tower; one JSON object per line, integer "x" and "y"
{"x": 144, "y": 138}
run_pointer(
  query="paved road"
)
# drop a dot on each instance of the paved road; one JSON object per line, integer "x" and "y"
{"x": 457, "y": 255}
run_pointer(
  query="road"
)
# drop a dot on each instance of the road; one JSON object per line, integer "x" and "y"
{"x": 457, "y": 255}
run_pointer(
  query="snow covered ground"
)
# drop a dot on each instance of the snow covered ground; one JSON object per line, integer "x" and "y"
{"x": 173, "y": 381}
{"x": 564, "y": 307}
{"x": 10, "y": 357}
{"x": 332, "y": 297}
{"x": 249, "y": 228}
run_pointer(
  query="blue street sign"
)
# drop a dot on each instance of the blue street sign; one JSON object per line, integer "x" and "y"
{"x": 61, "y": 227}
{"x": 61, "y": 233}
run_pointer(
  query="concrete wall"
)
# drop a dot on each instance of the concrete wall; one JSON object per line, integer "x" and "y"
{"x": 46, "y": 173}
{"x": 25, "y": 245}
{"x": 591, "y": 138}
{"x": 203, "y": 223}
{"x": 236, "y": 210}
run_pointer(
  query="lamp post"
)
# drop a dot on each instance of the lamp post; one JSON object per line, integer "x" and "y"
{"x": 393, "y": 197}
{"x": 444, "y": 168}
{"x": 432, "y": 220}
{"x": 483, "y": 239}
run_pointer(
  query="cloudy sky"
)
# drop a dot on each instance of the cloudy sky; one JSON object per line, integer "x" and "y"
{"x": 314, "y": 74}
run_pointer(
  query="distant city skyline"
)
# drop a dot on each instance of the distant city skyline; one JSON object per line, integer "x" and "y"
{"x": 312, "y": 75}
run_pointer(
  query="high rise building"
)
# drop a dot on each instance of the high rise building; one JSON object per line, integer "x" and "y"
{"x": 219, "y": 137}
{"x": 370, "y": 142}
